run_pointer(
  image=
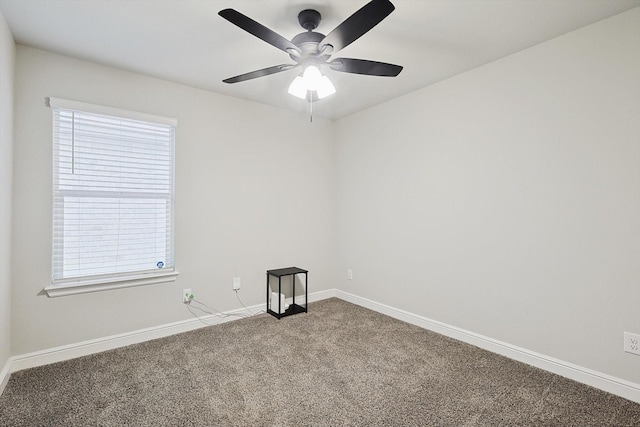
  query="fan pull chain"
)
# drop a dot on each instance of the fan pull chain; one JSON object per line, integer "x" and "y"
{"x": 310, "y": 109}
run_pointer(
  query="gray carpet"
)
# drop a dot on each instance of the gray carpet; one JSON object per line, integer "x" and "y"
{"x": 338, "y": 365}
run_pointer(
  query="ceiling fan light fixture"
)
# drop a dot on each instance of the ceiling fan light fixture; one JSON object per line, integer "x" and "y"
{"x": 298, "y": 88}
{"x": 311, "y": 80}
{"x": 325, "y": 88}
{"x": 312, "y": 77}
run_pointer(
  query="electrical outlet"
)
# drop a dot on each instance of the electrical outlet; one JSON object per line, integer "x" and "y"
{"x": 186, "y": 296}
{"x": 349, "y": 274}
{"x": 236, "y": 283}
{"x": 632, "y": 343}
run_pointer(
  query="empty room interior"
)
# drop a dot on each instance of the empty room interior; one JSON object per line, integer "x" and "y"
{"x": 464, "y": 204}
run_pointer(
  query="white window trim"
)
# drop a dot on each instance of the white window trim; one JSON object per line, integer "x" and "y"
{"x": 109, "y": 111}
{"x": 82, "y": 286}
{"x": 110, "y": 281}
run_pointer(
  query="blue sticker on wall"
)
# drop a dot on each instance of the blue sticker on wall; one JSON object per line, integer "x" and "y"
{"x": 160, "y": 264}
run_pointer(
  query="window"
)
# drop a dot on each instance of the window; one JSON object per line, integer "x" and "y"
{"x": 113, "y": 192}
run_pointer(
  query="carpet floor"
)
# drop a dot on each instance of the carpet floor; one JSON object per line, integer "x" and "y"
{"x": 338, "y": 365}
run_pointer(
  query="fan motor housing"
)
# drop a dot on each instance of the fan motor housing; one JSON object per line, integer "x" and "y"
{"x": 308, "y": 43}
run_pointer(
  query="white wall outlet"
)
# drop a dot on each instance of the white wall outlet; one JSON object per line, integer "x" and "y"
{"x": 236, "y": 283}
{"x": 186, "y": 296}
{"x": 349, "y": 274}
{"x": 632, "y": 343}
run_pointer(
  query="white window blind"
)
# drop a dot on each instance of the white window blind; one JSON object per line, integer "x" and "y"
{"x": 113, "y": 192}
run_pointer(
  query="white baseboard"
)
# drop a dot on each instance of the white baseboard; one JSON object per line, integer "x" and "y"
{"x": 316, "y": 296}
{"x": 5, "y": 374}
{"x": 605, "y": 382}
{"x": 85, "y": 348}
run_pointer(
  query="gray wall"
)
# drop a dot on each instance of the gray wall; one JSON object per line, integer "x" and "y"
{"x": 7, "y": 55}
{"x": 506, "y": 200}
{"x": 252, "y": 187}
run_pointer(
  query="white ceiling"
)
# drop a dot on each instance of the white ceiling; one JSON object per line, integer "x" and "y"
{"x": 187, "y": 42}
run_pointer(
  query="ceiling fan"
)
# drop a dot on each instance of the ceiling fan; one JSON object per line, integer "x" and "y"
{"x": 311, "y": 50}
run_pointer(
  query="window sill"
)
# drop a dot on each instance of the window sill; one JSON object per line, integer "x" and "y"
{"x": 83, "y": 286}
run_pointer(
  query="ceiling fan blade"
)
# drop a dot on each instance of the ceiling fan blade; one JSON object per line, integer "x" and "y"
{"x": 357, "y": 24}
{"x": 259, "y": 30}
{"x": 259, "y": 73}
{"x": 363, "y": 66}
